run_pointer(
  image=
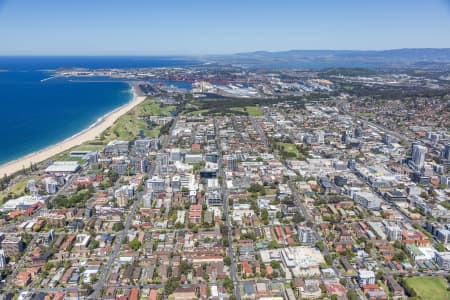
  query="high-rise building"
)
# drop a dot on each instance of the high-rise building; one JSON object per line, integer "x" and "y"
{"x": 32, "y": 187}
{"x": 320, "y": 137}
{"x": 211, "y": 157}
{"x": 394, "y": 232}
{"x": 366, "y": 277}
{"x": 141, "y": 166}
{"x": 2, "y": 259}
{"x": 357, "y": 132}
{"x": 344, "y": 137}
{"x": 418, "y": 155}
{"x": 12, "y": 245}
{"x": 156, "y": 184}
{"x": 175, "y": 154}
{"x": 162, "y": 159}
{"x": 443, "y": 260}
{"x": 434, "y": 137}
{"x": 351, "y": 164}
{"x": 306, "y": 235}
{"x": 232, "y": 163}
{"x": 387, "y": 139}
{"x": 446, "y": 152}
{"x": 50, "y": 185}
{"x": 214, "y": 198}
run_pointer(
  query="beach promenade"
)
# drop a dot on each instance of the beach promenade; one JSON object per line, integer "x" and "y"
{"x": 86, "y": 135}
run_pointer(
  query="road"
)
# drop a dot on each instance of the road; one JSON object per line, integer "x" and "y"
{"x": 13, "y": 228}
{"x": 304, "y": 211}
{"x": 22, "y": 261}
{"x": 106, "y": 268}
{"x": 226, "y": 211}
{"x": 397, "y": 135}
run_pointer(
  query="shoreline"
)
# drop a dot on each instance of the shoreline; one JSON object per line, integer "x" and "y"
{"x": 90, "y": 133}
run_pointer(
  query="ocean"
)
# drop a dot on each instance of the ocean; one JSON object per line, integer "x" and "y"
{"x": 36, "y": 114}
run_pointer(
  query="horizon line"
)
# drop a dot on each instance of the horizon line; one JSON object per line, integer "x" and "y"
{"x": 218, "y": 54}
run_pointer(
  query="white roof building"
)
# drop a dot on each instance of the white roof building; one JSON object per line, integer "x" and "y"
{"x": 65, "y": 167}
{"x": 22, "y": 201}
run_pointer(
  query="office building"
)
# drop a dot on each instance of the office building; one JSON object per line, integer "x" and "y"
{"x": 306, "y": 235}
{"x": 50, "y": 185}
{"x": 155, "y": 184}
{"x": 387, "y": 139}
{"x": 443, "y": 260}
{"x": 175, "y": 154}
{"x": 117, "y": 148}
{"x": 446, "y": 152}
{"x": 12, "y": 245}
{"x": 232, "y": 163}
{"x": 394, "y": 232}
{"x": 214, "y": 198}
{"x": 418, "y": 156}
{"x": 2, "y": 259}
{"x": 367, "y": 200}
{"x": 366, "y": 277}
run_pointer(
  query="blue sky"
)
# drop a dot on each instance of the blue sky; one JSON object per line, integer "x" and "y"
{"x": 169, "y": 27}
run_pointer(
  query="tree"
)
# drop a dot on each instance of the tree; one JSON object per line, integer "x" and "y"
{"x": 275, "y": 264}
{"x": 184, "y": 267}
{"x": 256, "y": 188}
{"x": 400, "y": 256}
{"x": 48, "y": 266}
{"x": 349, "y": 253}
{"x": 320, "y": 245}
{"x": 273, "y": 244}
{"x": 94, "y": 244}
{"x": 171, "y": 285}
{"x": 379, "y": 274}
{"x": 424, "y": 195}
{"x": 279, "y": 215}
{"x": 227, "y": 261}
{"x": 298, "y": 218}
{"x": 118, "y": 226}
{"x": 228, "y": 284}
{"x": 351, "y": 295}
{"x": 178, "y": 225}
{"x": 135, "y": 244}
{"x": 264, "y": 215}
{"x": 439, "y": 247}
{"x": 328, "y": 260}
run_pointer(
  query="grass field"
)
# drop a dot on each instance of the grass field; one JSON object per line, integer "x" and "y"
{"x": 151, "y": 108}
{"x": 288, "y": 148}
{"x": 254, "y": 111}
{"x": 250, "y": 110}
{"x": 88, "y": 146}
{"x": 128, "y": 126}
{"x": 16, "y": 189}
{"x": 198, "y": 112}
{"x": 429, "y": 288}
{"x": 222, "y": 106}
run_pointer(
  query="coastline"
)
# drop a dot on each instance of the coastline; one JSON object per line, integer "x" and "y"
{"x": 88, "y": 134}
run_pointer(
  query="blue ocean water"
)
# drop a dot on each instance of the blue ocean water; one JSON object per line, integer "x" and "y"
{"x": 35, "y": 114}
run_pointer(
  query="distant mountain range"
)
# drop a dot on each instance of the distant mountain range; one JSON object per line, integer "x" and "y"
{"x": 397, "y": 58}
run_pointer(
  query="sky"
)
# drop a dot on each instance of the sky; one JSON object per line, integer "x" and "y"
{"x": 198, "y": 27}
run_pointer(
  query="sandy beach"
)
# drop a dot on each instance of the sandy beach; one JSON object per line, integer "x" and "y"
{"x": 86, "y": 135}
